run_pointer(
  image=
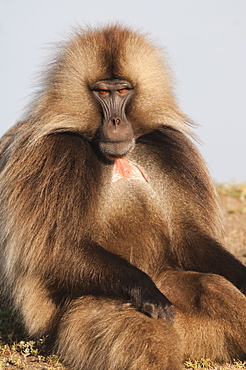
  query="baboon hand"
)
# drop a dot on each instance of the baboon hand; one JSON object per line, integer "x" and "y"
{"x": 149, "y": 300}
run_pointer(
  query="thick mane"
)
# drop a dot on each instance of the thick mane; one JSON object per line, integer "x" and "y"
{"x": 114, "y": 52}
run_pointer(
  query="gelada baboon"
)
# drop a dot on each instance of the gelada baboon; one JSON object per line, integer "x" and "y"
{"x": 110, "y": 226}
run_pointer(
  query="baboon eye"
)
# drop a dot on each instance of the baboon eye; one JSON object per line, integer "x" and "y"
{"x": 122, "y": 91}
{"x": 103, "y": 92}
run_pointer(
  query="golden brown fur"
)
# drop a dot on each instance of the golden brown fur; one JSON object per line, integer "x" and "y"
{"x": 76, "y": 247}
{"x": 116, "y": 337}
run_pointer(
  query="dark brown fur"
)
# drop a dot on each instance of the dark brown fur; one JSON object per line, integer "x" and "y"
{"x": 75, "y": 247}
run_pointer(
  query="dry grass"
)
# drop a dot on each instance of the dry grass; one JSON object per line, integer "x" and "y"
{"x": 17, "y": 352}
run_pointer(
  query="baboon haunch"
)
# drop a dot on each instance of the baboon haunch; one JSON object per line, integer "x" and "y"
{"x": 109, "y": 220}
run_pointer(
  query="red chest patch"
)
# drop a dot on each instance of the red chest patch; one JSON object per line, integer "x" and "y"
{"x": 124, "y": 169}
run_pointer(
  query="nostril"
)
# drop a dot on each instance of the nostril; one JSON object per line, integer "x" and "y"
{"x": 115, "y": 121}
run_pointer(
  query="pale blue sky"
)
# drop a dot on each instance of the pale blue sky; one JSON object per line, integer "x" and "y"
{"x": 205, "y": 41}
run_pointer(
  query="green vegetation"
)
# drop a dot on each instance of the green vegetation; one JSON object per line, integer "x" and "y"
{"x": 202, "y": 364}
{"x": 208, "y": 364}
{"x": 16, "y": 351}
{"x": 237, "y": 191}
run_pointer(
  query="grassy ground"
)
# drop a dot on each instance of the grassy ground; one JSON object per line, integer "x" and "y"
{"x": 18, "y": 353}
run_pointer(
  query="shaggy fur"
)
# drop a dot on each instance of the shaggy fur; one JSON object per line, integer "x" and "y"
{"x": 81, "y": 256}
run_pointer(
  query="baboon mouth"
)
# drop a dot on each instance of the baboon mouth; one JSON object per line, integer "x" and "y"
{"x": 116, "y": 149}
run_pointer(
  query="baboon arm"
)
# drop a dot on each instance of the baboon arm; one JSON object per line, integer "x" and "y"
{"x": 190, "y": 205}
{"x": 202, "y": 253}
{"x": 92, "y": 270}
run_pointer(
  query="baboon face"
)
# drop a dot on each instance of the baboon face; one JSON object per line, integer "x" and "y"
{"x": 115, "y": 136}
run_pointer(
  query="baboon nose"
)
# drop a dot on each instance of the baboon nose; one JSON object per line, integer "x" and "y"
{"x": 116, "y": 121}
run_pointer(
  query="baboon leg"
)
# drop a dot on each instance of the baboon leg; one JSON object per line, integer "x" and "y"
{"x": 35, "y": 306}
{"x": 210, "y": 314}
{"x": 104, "y": 334}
